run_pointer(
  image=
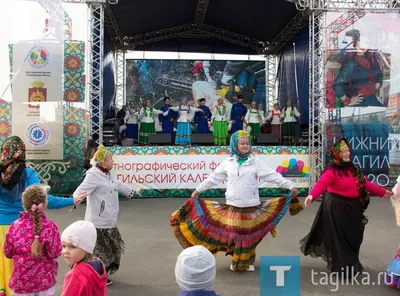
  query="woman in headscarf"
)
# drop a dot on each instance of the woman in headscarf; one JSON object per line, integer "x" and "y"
{"x": 185, "y": 116}
{"x": 338, "y": 229}
{"x": 103, "y": 207}
{"x": 289, "y": 114}
{"x": 15, "y": 177}
{"x": 238, "y": 225}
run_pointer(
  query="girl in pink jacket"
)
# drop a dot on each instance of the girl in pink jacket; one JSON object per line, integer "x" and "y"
{"x": 34, "y": 244}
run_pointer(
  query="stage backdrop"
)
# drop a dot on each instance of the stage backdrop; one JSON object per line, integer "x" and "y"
{"x": 362, "y": 90}
{"x": 179, "y": 170}
{"x": 192, "y": 80}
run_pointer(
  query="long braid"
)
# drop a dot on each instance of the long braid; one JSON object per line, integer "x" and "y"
{"x": 35, "y": 196}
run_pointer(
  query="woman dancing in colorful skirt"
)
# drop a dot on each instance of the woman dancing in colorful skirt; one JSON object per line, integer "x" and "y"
{"x": 238, "y": 225}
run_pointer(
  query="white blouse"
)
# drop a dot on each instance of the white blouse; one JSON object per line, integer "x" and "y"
{"x": 276, "y": 116}
{"x": 287, "y": 117}
{"x": 147, "y": 116}
{"x": 220, "y": 114}
{"x": 254, "y": 116}
{"x": 186, "y": 113}
{"x": 131, "y": 117}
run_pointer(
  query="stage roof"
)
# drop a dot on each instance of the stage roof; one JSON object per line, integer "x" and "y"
{"x": 217, "y": 26}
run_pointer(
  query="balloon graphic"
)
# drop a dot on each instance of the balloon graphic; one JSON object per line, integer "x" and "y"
{"x": 306, "y": 169}
{"x": 292, "y": 163}
{"x": 285, "y": 163}
{"x": 300, "y": 165}
{"x": 279, "y": 169}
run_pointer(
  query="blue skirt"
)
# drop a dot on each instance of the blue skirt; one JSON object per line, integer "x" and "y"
{"x": 183, "y": 134}
{"x": 132, "y": 131}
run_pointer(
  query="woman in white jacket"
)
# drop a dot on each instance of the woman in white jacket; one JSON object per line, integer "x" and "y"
{"x": 238, "y": 225}
{"x": 103, "y": 207}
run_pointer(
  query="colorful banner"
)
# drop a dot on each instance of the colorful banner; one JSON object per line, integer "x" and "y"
{"x": 37, "y": 90}
{"x": 185, "y": 168}
{"x": 362, "y": 89}
{"x": 193, "y": 80}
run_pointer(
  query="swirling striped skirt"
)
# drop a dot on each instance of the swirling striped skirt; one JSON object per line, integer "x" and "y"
{"x": 224, "y": 228}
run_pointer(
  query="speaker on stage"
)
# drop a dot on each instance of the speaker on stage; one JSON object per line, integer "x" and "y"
{"x": 160, "y": 139}
{"x": 267, "y": 139}
{"x": 203, "y": 139}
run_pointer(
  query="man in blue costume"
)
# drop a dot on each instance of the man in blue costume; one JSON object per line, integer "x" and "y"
{"x": 167, "y": 122}
{"x": 201, "y": 118}
{"x": 238, "y": 113}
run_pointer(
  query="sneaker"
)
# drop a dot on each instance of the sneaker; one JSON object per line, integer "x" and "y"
{"x": 231, "y": 268}
{"x": 109, "y": 282}
{"x": 250, "y": 268}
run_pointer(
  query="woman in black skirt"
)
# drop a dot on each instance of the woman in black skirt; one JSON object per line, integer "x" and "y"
{"x": 338, "y": 229}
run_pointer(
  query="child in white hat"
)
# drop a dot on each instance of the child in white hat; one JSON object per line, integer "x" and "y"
{"x": 195, "y": 272}
{"x": 87, "y": 276}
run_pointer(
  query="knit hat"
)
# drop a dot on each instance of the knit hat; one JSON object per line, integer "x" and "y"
{"x": 195, "y": 269}
{"x": 100, "y": 155}
{"x": 81, "y": 234}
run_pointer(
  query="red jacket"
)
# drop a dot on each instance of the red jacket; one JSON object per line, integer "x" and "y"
{"x": 84, "y": 280}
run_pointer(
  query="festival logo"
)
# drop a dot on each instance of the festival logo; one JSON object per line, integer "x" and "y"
{"x": 37, "y": 93}
{"x": 37, "y": 134}
{"x": 39, "y": 57}
{"x": 293, "y": 168}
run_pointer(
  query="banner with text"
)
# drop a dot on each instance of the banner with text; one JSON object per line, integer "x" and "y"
{"x": 37, "y": 91}
{"x": 183, "y": 171}
{"x": 363, "y": 90}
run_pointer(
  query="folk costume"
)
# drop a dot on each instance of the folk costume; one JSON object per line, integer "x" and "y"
{"x": 167, "y": 121}
{"x": 289, "y": 124}
{"x": 147, "y": 123}
{"x": 338, "y": 229}
{"x": 254, "y": 118}
{"x": 132, "y": 125}
{"x": 219, "y": 121}
{"x": 276, "y": 125}
{"x": 238, "y": 113}
{"x": 184, "y": 131}
{"x": 102, "y": 210}
{"x": 201, "y": 118}
{"x": 238, "y": 225}
{"x": 15, "y": 177}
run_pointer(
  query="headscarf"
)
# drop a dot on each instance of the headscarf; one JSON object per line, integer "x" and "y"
{"x": 234, "y": 144}
{"x": 100, "y": 155}
{"x": 341, "y": 167}
{"x": 12, "y": 162}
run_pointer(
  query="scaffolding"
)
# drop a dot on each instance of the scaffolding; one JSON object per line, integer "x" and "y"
{"x": 312, "y": 12}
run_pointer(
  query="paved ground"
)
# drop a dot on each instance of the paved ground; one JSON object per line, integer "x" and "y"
{"x": 151, "y": 250}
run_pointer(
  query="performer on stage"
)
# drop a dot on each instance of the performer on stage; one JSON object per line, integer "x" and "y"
{"x": 103, "y": 207}
{"x": 254, "y": 118}
{"x": 201, "y": 118}
{"x": 15, "y": 178}
{"x": 264, "y": 126}
{"x": 276, "y": 124}
{"x": 167, "y": 121}
{"x": 238, "y": 225}
{"x": 338, "y": 229}
{"x": 238, "y": 113}
{"x": 147, "y": 124}
{"x": 186, "y": 113}
{"x": 219, "y": 121}
{"x": 132, "y": 123}
{"x": 289, "y": 122}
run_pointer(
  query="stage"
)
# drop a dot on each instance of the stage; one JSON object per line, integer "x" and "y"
{"x": 175, "y": 171}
